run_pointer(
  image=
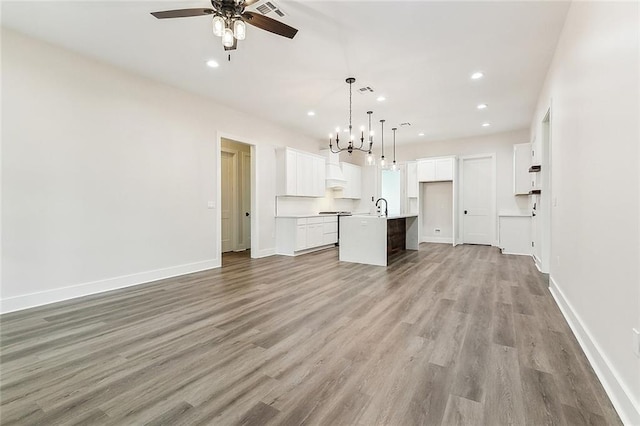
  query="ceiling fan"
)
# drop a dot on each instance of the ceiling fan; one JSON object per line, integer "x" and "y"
{"x": 229, "y": 18}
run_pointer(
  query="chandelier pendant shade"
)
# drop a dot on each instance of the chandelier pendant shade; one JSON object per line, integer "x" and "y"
{"x": 351, "y": 146}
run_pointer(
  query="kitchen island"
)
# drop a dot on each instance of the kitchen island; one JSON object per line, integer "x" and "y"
{"x": 371, "y": 239}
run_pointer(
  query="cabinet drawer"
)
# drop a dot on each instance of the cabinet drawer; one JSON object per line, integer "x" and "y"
{"x": 329, "y": 228}
{"x": 312, "y": 220}
{"x": 330, "y": 219}
{"x": 302, "y": 221}
{"x": 331, "y": 238}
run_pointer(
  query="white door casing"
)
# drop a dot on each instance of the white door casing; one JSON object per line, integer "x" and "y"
{"x": 245, "y": 213}
{"x": 228, "y": 205}
{"x": 478, "y": 198}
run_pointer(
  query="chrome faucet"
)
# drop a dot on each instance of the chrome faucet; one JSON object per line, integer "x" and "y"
{"x": 386, "y": 211}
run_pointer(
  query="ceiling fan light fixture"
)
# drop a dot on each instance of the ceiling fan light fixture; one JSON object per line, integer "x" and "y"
{"x": 227, "y": 37}
{"x": 218, "y": 26}
{"x": 239, "y": 29}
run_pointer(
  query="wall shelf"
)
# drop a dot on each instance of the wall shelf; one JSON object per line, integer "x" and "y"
{"x": 534, "y": 169}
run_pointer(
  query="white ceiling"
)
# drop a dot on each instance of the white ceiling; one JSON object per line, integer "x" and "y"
{"x": 418, "y": 54}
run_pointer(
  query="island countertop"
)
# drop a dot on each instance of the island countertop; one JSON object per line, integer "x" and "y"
{"x": 370, "y": 239}
{"x": 395, "y": 216}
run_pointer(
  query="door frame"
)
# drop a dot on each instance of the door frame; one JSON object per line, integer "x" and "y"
{"x": 245, "y": 243}
{"x": 493, "y": 237}
{"x": 254, "y": 213}
{"x": 234, "y": 198}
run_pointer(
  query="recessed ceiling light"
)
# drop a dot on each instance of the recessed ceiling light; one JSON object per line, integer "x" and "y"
{"x": 311, "y": 113}
{"x": 421, "y": 134}
{"x": 212, "y": 64}
{"x": 482, "y": 106}
{"x": 486, "y": 124}
{"x": 477, "y": 75}
{"x": 381, "y": 98}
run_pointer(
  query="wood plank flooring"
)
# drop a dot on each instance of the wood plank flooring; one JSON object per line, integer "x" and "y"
{"x": 443, "y": 335}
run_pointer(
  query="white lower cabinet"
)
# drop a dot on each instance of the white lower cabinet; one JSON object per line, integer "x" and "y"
{"x": 302, "y": 234}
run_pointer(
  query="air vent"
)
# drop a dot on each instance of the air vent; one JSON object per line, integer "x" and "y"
{"x": 365, "y": 90}
{"x": 269, "y": 7}
{"x": 405, "y": 124}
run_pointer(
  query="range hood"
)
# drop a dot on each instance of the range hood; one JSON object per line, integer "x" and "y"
{"x": 334, "y": 177}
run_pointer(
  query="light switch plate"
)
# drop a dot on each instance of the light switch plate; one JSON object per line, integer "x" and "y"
{"x": 211, "y": 205}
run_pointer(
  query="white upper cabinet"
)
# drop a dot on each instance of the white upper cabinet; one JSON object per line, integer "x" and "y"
{"x": 412, "y": 179}
{"x": 435, "y": 169}
{"x": 299, "y": 174}
{"x": 353, "y": 176}
{"x": 521, "y": 163}
{"x": 426, "y": 170}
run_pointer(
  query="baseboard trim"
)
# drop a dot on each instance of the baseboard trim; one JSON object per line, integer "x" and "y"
{"x": 18, "y": 303}
{"x": 537, "y": 263}
{"x": 263, "y": 253}
{"x": 440, "y": 240}
{"x": 620, "y": 396}
{"x": 515, "y": 254}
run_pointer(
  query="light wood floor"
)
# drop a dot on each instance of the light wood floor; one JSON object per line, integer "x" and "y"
{"x": 444, "y": 335}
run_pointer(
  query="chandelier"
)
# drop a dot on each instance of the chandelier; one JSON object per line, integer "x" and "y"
{"x": 351, "y": 146}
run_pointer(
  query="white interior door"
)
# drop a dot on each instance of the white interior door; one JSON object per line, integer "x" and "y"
{"x": 228, "y": 206}
{"x": 477, "y": 200}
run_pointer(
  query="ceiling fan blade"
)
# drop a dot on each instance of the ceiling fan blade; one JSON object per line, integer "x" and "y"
{"x": 181, "y": 13}
{"x": 269, "y": 24}
{"x": 249, "y": 2}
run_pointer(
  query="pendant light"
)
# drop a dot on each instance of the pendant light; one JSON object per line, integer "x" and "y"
{"x": 227, "y": 37}
{"x": 239, "y": 29}
{"x": 382, "y": 162}
{"x": 394, "y": 167}
{"x": 218, "y": 25}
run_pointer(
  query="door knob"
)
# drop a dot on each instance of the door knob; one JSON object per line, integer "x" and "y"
{"x": 465, "y": 212}
{"x": 246, "y": 213}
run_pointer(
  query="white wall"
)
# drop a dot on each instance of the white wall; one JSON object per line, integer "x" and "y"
{"x": 501, "y": 144}
{"x": 106, "y": 175}
{"x": 593, "y": 90}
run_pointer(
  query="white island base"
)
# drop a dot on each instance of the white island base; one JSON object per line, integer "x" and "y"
{"x": 370, "y": 239}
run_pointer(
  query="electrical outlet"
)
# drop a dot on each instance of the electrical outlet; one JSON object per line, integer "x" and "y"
{"x": 636, "y": 342}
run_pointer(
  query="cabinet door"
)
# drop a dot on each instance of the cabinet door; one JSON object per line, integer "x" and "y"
{"x": 444, "y": 169}
{"x": 426, "y": 170}
{"x": 412, "y": 179}
{"x": 290, "y": 177}
{"x": 301, "y": 237}
{"x": 304, "y": 175}
{"x": 315, "y": 235}
{"x": 319, "y": 174}
{"x": 521, "y": 161}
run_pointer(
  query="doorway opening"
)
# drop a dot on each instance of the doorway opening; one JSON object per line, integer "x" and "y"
{"x": 235, "y": 199}
{"x": 478, "y": 199}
